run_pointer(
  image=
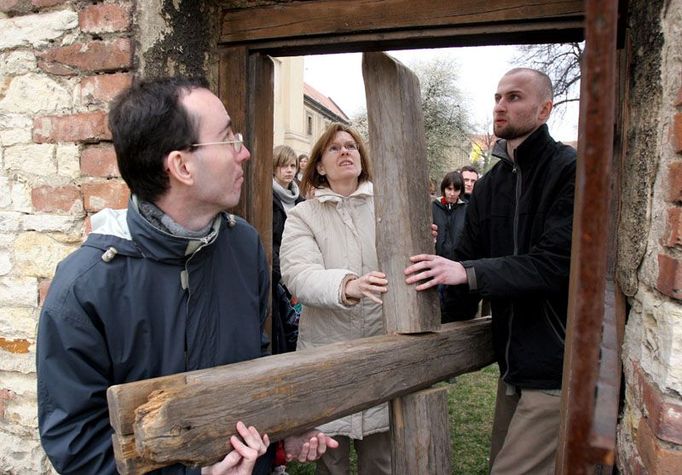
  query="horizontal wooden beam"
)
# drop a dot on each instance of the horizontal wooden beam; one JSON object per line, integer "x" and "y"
{"x": 189, "y": 417}
{"x": 302, "y": 28}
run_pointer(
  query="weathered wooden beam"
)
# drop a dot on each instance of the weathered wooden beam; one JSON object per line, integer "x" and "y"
{"x": 254, "y": 22}
{"x": 590, "y": 239}
{"x": 421, "y": 433}
{"x": 398, "y": 144}
{"x": 191, "y": 419}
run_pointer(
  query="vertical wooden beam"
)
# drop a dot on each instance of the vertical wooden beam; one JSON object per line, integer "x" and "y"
{"x": 398, "y": 148}
{"x": 421, "y": 448}
{"x": 401, "y": 197}
{"x": 590, "y": 238}
{"x": 246, "y": 87}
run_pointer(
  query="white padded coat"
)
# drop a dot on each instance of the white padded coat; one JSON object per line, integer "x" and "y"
{"x": 325, "y": 240}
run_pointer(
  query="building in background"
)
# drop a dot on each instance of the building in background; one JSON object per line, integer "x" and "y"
{"x": 301, "y": 111}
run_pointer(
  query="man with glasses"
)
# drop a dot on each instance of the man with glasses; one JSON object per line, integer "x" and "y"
{"x": 172, "y": 284}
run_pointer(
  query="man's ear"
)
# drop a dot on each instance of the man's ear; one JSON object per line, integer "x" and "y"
{"x": 545, "y": 110}
{"x": 179, "y": 167}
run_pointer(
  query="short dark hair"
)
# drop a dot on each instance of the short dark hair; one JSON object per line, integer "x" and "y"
{"x": 454, "y": 179}
{"x": 469, "y": 168}
{"x": 312, "y": 178}
{"x": 147, "y": 122}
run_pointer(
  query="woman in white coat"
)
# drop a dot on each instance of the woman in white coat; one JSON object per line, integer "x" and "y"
{"x": 329, "y": 261}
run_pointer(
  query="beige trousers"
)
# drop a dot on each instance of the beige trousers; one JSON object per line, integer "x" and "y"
{"x": 374, "y": 456}
{"x": 525, "y": 432}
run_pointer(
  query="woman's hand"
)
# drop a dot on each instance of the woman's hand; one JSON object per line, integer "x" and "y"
{"x": 242, "y": 458}
{"x": 370, "y": 285}
{"x": 308, "y": 446}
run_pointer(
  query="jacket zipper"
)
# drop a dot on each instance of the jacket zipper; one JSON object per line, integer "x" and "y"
{"x": 204, "y": 242}
{"x": 517, "y": 195}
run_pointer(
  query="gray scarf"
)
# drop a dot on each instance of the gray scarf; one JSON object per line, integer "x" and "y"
{"x": 288, "y": 197}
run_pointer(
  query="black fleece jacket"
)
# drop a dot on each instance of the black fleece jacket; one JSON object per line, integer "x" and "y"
{"x": 516, "y": 248}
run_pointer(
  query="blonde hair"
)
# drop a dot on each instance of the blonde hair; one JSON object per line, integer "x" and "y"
{"x": 283, "y": 155}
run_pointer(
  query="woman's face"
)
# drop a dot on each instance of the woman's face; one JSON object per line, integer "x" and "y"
{"x": 340, "y": 162}
{"x": 302, "y": 164}
{"x": 284, "y": 174}
{"x": 451, "y": 195}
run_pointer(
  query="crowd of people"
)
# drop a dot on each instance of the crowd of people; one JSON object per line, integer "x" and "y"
{"x": 175, "y": 283}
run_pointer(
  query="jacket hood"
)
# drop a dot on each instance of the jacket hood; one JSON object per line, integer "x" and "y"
{"x": 366, "y": 188}
{"x": 132, "y": 235}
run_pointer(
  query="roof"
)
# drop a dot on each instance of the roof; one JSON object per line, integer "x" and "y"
{"x": 324, "y": 101}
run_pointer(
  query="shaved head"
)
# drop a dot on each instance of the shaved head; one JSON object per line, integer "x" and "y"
{"x": 543, "y": 84}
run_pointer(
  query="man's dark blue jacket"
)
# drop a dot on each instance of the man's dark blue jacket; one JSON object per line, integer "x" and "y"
{"x": 133, "y": 303}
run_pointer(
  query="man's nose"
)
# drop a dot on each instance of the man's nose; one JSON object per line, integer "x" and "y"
{"x": 245, "y": 154}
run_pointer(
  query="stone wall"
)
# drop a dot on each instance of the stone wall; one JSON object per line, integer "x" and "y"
{"x": 650, "y": 243}
{"x": 61, "y": 62}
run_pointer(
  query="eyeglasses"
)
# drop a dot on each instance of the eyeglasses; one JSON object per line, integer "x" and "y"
{"x": 336, "y": 148}
{"x": 237, "y": 143}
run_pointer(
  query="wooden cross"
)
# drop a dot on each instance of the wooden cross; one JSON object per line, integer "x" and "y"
{"x": 189, "y": 417}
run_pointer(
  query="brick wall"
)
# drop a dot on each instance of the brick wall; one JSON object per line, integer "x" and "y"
{"x": 650, "y": 429}
{"x": 61, "y": 62}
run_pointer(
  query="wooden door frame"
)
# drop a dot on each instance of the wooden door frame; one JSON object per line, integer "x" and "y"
{"x": 251, "y": 30}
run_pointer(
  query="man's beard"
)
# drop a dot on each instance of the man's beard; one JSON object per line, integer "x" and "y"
{"x": 511, "y": 132}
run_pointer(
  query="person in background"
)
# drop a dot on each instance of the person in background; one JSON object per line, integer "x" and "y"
{"x": 515, "y": 250}
{"x": 449, "y": 212}
{"x": 469, "y": 177}
{"x": 171, "y": 284}
{"x": 285, "y": 195}
{"x": 329, "y": 260}
{"x": 302, "y": 163}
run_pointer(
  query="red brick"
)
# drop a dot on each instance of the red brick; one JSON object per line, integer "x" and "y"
{"x": 677, "y": 132}
{"x": 103, "y": 88}
{"x": 94, "y": 56}
{"x": 675, "y": 181}
{"x": 7, "y": 6}
{"x": 663, "y": 412}
{"x": 657, "y": 457}
{"x": 83, "y": 127}
{"x": 673, "y": 236}
{"x": 104, "y": 18}
{"x": 669, "y": 276}
{"x": 100, "y": 161}
{"x": 43, "y": 288}
{"x": 50, "y": 199}
{"x": 108, "y": 194}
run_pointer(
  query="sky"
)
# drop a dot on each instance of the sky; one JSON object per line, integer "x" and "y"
{"x": 339, "y": 76}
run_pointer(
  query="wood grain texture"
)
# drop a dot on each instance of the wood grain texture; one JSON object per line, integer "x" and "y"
{"x": 588, "y": 289}
{"x": 403, "y": 226}
{"x": 253, "y": 21}
{"x": 421, "y": 433}
{"x": 284, "y": 394}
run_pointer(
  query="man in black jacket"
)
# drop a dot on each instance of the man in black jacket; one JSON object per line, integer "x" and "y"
{"x": 515, "y": 251}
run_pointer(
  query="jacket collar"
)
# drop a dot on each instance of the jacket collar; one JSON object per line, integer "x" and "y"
{"x": 133, "y": 235}
{"x": 365, "y": 189}
{"x": 527, "y": 151}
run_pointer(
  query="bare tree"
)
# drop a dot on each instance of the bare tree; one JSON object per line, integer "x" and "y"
{"x": 561, "y": 62}
{"x": 447, "y": 121}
